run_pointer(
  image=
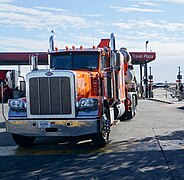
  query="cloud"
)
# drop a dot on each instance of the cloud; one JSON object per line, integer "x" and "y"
{"x": 135, "y": 9}
{"x": 39, "y": 18}
{"x": 6, "y": 1}
{"x": 159, "y": 1}
{"x": 147, "y": 3}
{"x": 168, "y": 59}
{"x": 42, "y": 43}
{"x": 52, "y": 9}
{"x": 150, "y": 24}
{"x": 175, "y": 1}
{"x": 23, "y": 44}
{"x": 92, "y": 15}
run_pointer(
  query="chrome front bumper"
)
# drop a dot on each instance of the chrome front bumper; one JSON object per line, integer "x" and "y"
{"x": 45, "y": 127}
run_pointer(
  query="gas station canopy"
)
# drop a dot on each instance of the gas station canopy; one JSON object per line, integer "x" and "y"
{"x": 23, "y": 58}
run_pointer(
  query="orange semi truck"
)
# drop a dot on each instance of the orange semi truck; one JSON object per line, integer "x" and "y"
{"x": 83, "y": 93}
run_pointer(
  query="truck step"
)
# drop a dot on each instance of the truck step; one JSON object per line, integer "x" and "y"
{"x": 115, "y": 122}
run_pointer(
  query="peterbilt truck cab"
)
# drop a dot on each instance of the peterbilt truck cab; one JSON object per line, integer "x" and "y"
{"x": 81, "y": 95}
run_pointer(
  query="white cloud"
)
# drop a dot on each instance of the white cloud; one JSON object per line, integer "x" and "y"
{"x": 175, "y": 1}
{"x": 143, "y": 24}
{"x": 147, "y": 3}
{"x": 159, "y": 1}
{"x": 32, "y": 18}
{"x": 52, "y": 9}
{"x": 6, "y": 1}
{"x": 42, "y": 44}
{"x": 123, "y": 25}
{"x": 135, "y": 9}
{"x": 21, "y": 44}
{"x": 168, "y": 57}
{"x": 92, "y": 15}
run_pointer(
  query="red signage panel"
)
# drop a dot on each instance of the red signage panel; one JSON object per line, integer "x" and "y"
{"x": 142, "y": 57}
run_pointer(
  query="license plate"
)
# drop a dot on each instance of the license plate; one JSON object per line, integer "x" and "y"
{"x": 43, "y": 124}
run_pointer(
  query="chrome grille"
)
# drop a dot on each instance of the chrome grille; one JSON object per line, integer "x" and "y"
{"x": 50, "y": 96}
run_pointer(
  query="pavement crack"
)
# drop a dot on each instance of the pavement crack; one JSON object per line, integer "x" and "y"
{"x": 167, "y": 163}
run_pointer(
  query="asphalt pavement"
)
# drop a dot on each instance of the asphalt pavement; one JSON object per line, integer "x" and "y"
{"x": 150, "y": 146}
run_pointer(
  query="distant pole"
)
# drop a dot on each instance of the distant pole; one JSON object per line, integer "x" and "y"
{"x": 146, "y": 73}
{"x": 150, "y": 76}
{"x": 166, "y": 89}
{"x": 150, "y": 83}
{"x": 141, "y": 88}
{"x": 150, "y": 72}
{"x": 179, "y": 75}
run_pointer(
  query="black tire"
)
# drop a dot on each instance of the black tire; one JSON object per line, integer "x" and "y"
{"x": 23, "y": 141}
{"x": 130, "y": 114}
{"x": 101, "y": 139}
{"x": 133, "y": 108}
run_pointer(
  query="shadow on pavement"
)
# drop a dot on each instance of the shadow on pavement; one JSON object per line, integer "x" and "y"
{"x": 182, "y": 108}
{"x": 2, "y": 124}
{"x": 129, "y": 159}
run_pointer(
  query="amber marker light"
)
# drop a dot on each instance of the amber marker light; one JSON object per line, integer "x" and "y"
{"x": 56, "y": 49}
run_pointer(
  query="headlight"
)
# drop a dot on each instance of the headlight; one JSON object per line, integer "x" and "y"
{"x": 17, "y": 104}
{"x": 88, "y": 103}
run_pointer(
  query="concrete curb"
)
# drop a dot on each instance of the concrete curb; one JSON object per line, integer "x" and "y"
{"x": 157, "y": 100}
{"x": 162, "y": 101}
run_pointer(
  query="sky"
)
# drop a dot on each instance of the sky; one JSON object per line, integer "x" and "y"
{"x": 25, "y": 25}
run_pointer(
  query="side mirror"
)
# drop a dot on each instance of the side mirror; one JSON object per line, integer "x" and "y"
{"x": 117, "y": 61}
{"x": 104, "y": 64}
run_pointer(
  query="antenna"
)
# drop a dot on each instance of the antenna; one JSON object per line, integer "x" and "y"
{"x": 93, "y": 38}
{"x": 51, "y": 41}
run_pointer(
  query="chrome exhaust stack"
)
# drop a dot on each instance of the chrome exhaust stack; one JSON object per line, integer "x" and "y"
{"x": 113, "y": 42}
{"x": 113, "y": 63}
{"x": 52, "y": 41}
{"x": 34, "y": 62}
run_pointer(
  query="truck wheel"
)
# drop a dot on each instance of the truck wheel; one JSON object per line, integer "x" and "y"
{"x": 101, "y": 139}
{"x": 133, "y": 107}
{"x": 129, "y": 114}
{"x": 23, "y": 141}
{"x": 132, "y": 112}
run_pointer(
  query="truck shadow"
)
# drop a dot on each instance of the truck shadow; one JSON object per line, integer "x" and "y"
{"x": 126, "y": 159}
{"x": 2, "y": 125}
{"x": 181, "y": 108}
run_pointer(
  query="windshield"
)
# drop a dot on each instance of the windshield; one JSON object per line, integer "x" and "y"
{"x": 75, "y": 61}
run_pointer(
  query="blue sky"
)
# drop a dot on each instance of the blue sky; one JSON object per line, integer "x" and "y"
{"x": 25, "y": 25}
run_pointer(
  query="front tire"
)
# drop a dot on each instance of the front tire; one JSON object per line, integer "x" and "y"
{"x": 23, "y": 141}
{"x": 101, "y": 139}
